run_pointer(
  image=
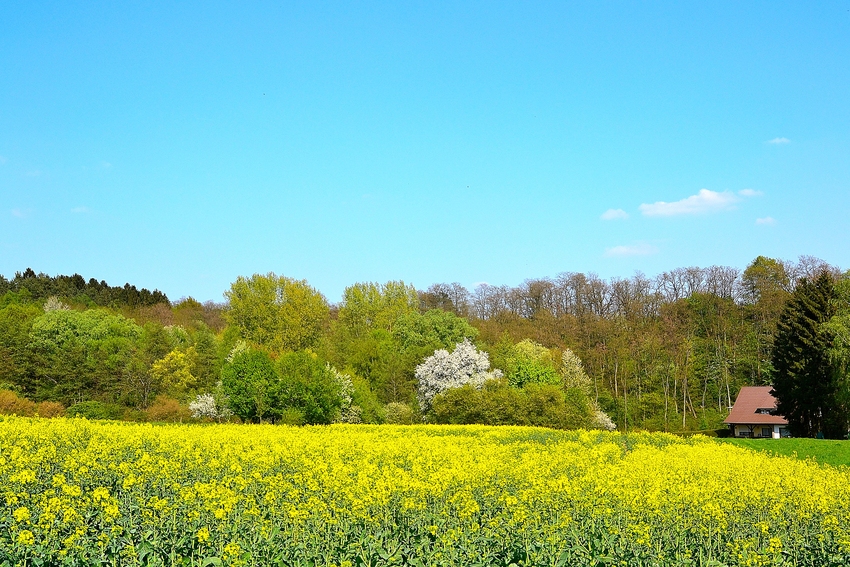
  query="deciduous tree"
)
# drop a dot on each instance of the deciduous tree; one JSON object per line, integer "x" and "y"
{"x": 277, "y": 313}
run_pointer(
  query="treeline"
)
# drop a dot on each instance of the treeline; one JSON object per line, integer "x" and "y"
{"x": 665, "y": 353}
{"x": 75, "y": 288}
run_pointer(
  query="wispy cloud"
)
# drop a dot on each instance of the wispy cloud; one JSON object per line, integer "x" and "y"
{"x": 34, "y": 173}
{"x": 706, "y": 201}
{"x": 750, "y": 193}
{"x": 766, "y": 221}
{"x": 779, "y": 141}
{"x": 18, "y": 213}
{"x": 3, "y": 160}
{"x": 639, "y": 249}
{"x": 614, "y": 214}
{"x": 79, "y": 210}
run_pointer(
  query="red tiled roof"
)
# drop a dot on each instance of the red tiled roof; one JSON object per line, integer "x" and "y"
{"x": 750, "y": 400}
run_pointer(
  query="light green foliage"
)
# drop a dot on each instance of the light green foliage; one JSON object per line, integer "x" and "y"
{"x": 81, "y": 351}
{"x": 497, "y": 403}
{"x": 839, "y": 327}
{"x": 57, "y": 328}
{"x": 766, "y": 279}
{"x": 573, "y": 374}
{"x": 139, "y": 386}
{"x": 364, "y": 397}
{"x": 277, "y": 313}
{"x": 175, "y": 372}
{"x": 399, "y": 413}
{"x": 367, "y": 306}
{"x": 528, "y": 362}
{"x": 435, "y": 329}
{"x": 381, "y": 336}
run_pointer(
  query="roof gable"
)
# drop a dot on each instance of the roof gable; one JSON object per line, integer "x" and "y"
{"x": 752, "y": 406}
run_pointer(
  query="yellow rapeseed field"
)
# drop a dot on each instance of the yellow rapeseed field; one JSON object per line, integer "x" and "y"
{"x": 76, "y": 492}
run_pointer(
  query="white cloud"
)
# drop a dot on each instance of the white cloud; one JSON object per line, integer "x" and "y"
{"x": 80, "y": 210}
{"x": 639, "y": 249}
{"x": 3, "y": 160}
{"x": 766, "y": 220}
{"x": 18, "y": 213}
{"x": 705, "y": 201}
{"x": 750, "y": 193}
{"x": 779, "y": 141}
{"x": 33, "y": 173}
{"x": 614, "y": 214}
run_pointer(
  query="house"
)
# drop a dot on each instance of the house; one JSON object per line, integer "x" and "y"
{"x": 754, "y": 414}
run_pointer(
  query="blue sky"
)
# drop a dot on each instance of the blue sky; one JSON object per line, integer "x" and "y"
{"x": 178, "y": 145}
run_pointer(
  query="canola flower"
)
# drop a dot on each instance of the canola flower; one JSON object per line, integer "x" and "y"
{"x": 76, "y": 492}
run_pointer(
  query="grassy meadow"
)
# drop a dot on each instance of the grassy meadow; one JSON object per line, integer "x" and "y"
{"x": 78, "y": 492}
{"x": 824, "y": 451}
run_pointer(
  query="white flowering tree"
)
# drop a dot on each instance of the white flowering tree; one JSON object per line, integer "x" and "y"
{"x": 349, "y": 412}
{"x": 574, "y": 376}
{"x": 444, "y": 370}
{"x": 53, "y": 304}
{"x": 211, "y": 406}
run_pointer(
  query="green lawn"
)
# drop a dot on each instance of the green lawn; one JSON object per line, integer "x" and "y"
{"x": 836, "y": 453}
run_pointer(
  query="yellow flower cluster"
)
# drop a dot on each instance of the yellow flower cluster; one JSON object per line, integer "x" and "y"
{"x": 131, "y": 494}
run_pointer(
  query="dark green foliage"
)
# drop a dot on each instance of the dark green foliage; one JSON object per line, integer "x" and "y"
{"x": 308, "y": 385}
{"x": 15, "y": 325}
{"x": 75, "y": 288}
{"x": 807, "y": 387}
{"x": 95, "y": 410}
{"x": 252, "y": 385}
{"x": 298, "y": 383}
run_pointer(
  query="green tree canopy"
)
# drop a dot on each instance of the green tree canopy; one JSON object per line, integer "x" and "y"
{"x": 277, "y": 313}
{"x": 309, "y": 385}
{"x": 370, "y": 305}
{"x": 80, "y": 353}
{"x": 252, "y": 386}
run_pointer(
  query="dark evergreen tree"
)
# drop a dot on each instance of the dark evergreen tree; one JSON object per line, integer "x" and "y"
{"x": 806, "y": 383}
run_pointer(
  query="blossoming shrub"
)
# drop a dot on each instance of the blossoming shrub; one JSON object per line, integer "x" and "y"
{"x": 76, "y": 492}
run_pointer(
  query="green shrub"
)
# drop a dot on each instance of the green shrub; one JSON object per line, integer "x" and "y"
{"x": 398, "y": 413}
{"x": 497, "y": 403}
{"x": 292, "y": 416}
{"x": 95, "y": 410}
{"x": 308, "y": 384}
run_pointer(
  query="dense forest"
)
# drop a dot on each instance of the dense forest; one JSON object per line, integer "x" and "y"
{"x": 665, "y": 353}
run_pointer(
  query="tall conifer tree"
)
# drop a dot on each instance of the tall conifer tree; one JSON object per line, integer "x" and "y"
{"x": 806, "y": 383}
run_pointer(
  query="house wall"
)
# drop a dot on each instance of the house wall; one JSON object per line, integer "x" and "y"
{"x": 776, "y": 431}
